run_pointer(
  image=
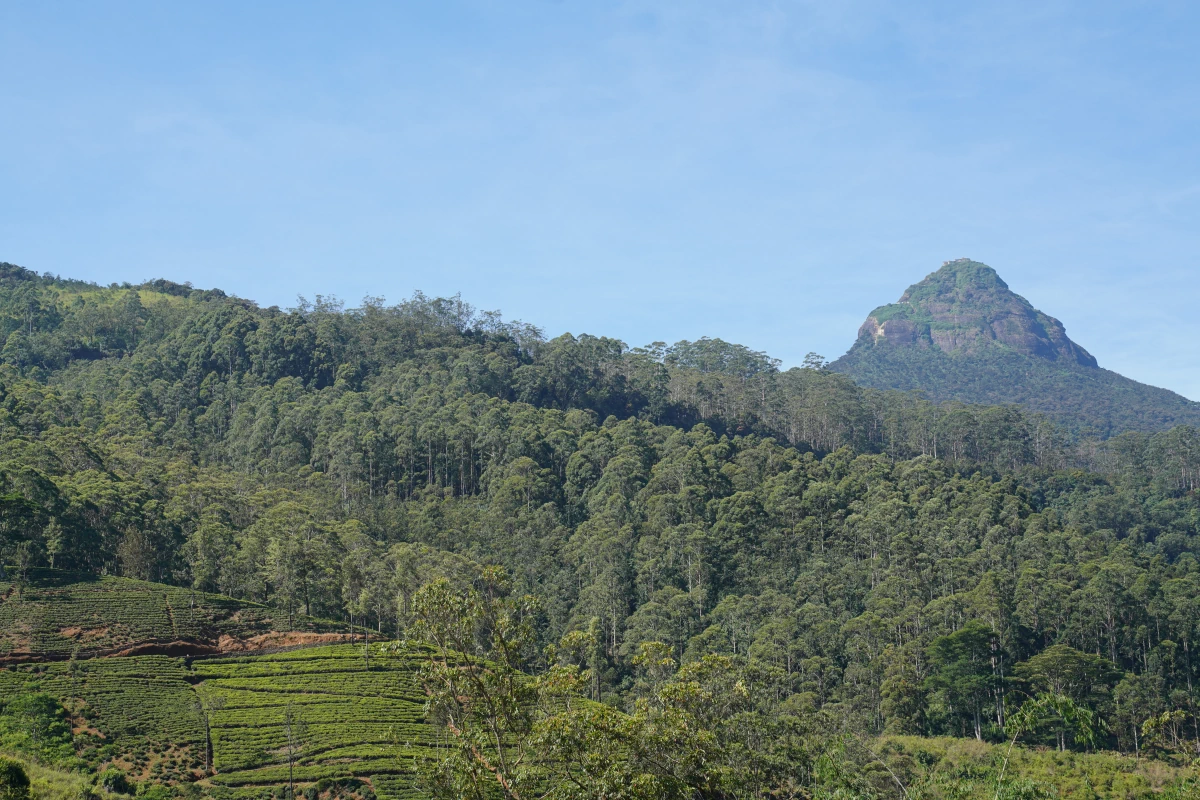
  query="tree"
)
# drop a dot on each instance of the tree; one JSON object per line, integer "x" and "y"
{"x": 476, "y": 689}
{"x": 1059, "y": 710}
{"x": 962, "y": 673}
{"x": 295, "y": 733}
{"x": 1165, "y": 731}
{"x": 299, "y": 558}
{"x": 138, "y": 554}
{"x": 26, "y": 557}
{"x": 1136, "y": 698}
{"x": 114, "y": 781}
{"x": 814, "y": 361}
{"x": 1064, "y": 671}
{"x": 206, "y": 706}
{"x": 712, "y": 730}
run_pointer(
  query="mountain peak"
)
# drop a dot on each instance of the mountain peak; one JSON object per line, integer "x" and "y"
{"x": 956, "y": 276}
{"x": 965, "y": 306}
{"x": 961, "y": 334}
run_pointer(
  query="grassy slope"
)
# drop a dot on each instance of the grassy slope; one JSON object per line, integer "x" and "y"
{"x": 47, "y": 783}
{"x": 944, "y": 768}
{"x": 59, "y": 612}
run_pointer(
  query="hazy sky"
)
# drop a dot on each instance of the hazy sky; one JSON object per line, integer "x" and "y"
{"x": 762, "y": 172}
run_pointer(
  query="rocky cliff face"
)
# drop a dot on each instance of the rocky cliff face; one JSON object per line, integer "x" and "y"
{"x": 965, "y": 306}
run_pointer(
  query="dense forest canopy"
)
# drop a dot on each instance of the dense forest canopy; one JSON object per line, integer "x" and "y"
{"x": 902, "y": 565}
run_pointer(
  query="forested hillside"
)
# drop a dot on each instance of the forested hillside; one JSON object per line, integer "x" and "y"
{"x": 879, "y": 562}
{"x": 962, "y": 334}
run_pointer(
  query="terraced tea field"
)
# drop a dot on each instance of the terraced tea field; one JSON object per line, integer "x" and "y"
{"x": 59, "y": 613}
{"x": 355, "y": 721}
{"x": 350, "y": 719}
{"x": 138, "y": 712}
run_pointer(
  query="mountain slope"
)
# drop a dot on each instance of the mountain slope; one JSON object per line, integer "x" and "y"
{"x": 962, "y": 334}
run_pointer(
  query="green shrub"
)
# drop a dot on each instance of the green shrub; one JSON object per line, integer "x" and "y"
{"x": 148, "y": 791}
{"x": 113, "y": 780}
{"x": 14, "y": 781}
{"x": 1185, "y": 789}
{"x": 1027, "y": 790}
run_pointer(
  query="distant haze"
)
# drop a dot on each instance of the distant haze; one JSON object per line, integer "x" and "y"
{"x": 764, "y": 173}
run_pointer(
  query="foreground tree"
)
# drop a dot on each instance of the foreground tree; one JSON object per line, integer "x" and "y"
{"x": 478, "y": 641}
{"x": 720, "y": 727}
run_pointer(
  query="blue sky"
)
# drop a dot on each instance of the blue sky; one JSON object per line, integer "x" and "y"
{"x": 762, "y": 172}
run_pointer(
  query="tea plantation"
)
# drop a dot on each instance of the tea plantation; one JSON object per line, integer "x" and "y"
{"x": 355, "y": 721}
{"x": 360, "y": 717}
{"x": 58, "y": 613}
{"x": 144, "y": 704}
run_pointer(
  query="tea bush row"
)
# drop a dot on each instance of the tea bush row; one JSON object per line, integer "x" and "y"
{"x": 314, "y": 772}
{"x": 367, "y": 720}
{"x": 395, "y": 787}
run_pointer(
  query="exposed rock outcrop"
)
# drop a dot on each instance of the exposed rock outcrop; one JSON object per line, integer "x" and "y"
{"x": 966, "y": 306}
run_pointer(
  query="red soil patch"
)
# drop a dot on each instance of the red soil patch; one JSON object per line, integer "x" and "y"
{"x": 84, "y": 634}
{"x": 174, "y": 649}
{"x": 266, "y": 641}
